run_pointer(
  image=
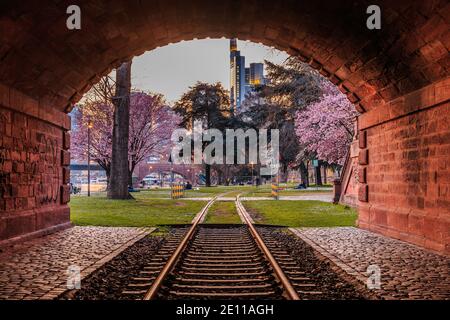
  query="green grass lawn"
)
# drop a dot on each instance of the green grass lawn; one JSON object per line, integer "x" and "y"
{"x": 152, "y": 193}
{"x": 142, "y": 212}
{"x": 223, "y": 212}
{"x": 147, "y": 210}
{"x": 301, "y": 213}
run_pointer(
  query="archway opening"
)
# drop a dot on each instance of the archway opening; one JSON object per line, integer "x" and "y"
{"x": 397, "y": 77}
{"x": 283, "y": 92}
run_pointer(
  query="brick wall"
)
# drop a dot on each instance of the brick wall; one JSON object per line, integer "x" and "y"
{"x": 41, "y": 57}
{"x": 405, "y": 193}
{"x": 395, "y": 78}
{"x": 349, "y": 184}
{"x": 33, "y": 166}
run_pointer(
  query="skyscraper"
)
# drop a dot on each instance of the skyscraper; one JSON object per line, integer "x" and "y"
{"x": 256, "y": 74}
{"x": 247, "y": 80}
{"x": 237, "y": 77}
{"x": 242, "y": 80}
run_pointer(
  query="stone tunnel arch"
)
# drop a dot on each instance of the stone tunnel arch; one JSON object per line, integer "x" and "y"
{"x": 397, "y": 77}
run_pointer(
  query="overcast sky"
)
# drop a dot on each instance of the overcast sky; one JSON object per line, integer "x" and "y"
{"x": 172, "y": 69}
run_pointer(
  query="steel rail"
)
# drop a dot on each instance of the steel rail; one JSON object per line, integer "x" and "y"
{"x": 291, "y": 292}
{"x": 151, "y": 293}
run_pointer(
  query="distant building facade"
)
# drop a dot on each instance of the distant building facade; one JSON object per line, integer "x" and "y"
{"x": 242, "y": 80}
{"x": 237, "y": 76}
{"x": 256, "y": 77}
{"x": 247, "y": 80}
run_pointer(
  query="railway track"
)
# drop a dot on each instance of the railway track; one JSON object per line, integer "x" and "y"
{"x": 221, "y": 262}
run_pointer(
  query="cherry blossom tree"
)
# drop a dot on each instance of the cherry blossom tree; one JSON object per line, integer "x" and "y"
{"x": 326, "y": 127}
{"x": 150, "y": 130}
{"x": 100, "y": 117}
{"x": 314, "y": 118}
{"x": 290, "y": 87}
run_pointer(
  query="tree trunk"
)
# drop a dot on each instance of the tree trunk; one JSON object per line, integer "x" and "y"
{"x": 219, "y": 177}
{"x": 304, "y": 173}
{"x": 318, "y": 175}
{"x": 130, "y": 178}
{"x": 108, "y": 179}
{"x": 119, "y": 159}
{"x": 307, "y": 173}
{"x": 131, "y": 169}
{"x": 226, "y": 175}
{"x": 258, "y": 175}
{"x": 325, "y": 174}
{"x": 208, "y": 175}
{"x": 284, "y": 173}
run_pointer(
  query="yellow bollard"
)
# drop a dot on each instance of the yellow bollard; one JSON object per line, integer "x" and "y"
{"x": 275, "y": 191}
{"x": 177, "y": 191}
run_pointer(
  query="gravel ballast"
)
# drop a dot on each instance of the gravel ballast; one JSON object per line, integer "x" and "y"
{"x": 331, "y": 281}
{"x": 108, "y": 282}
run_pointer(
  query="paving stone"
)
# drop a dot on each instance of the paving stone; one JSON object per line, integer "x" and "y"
{"x": 407, "y": 271}
{"x": 37, "y": 269}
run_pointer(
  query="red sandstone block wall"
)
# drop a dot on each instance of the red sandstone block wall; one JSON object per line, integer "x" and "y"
{"x": 33, "y": 158}
{"x": 407, "y": 164}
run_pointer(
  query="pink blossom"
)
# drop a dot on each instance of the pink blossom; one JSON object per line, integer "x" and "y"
{"x": 151, "y": 126}
{"x": 326, "y": 127}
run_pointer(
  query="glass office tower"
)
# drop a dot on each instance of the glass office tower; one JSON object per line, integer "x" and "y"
{"x": 237, "y": 77}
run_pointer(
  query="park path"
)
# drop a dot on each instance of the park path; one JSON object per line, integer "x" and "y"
{"x": 325, "y": 197}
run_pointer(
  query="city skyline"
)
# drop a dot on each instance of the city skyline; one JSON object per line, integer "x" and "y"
{"x": 243, "y": 79}
{"x": 172, "y": 69}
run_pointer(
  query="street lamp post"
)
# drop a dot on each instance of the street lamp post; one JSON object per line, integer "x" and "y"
{"x": 252, "y": 173}
{"x": 89, "y": 157}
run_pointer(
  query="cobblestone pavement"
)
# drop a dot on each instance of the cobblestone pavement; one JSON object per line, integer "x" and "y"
{"x": 407, "y": 271}
{"x": 37, "y": 269}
